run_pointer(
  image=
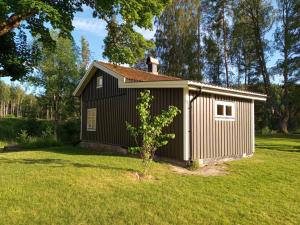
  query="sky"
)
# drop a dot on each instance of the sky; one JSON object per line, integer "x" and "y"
{"x": 94, "y": 31}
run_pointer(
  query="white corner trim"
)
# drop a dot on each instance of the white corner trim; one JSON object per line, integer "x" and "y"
{"x": 253, "y": 125}
{"x": 186, "y": 125}
{"x": 81, "y": 118}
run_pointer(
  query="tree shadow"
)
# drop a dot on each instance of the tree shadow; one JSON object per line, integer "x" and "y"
{"x": 62, "y": 163}
{"x": 282, "y": 148}
{"x": 71, "y": 150}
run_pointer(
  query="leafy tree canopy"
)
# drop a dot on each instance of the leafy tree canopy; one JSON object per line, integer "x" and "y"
{"x": 36, "y": 15}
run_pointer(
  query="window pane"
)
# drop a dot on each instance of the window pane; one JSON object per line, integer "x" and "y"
{"x": 228, "y": 110}
{"x": 220, "y": 110}
{"x": 99, "y": 81}
{"x": 91, "y": 119}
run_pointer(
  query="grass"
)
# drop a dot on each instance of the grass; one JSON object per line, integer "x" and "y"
{"x": 2, "y": 144}
{"x": 68, "y": 185}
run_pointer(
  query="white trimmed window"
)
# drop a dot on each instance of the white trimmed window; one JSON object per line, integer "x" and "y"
{"x": 91, "y": 119}
{"x": 224, "y": 110}
{"x": 99, "y": 82}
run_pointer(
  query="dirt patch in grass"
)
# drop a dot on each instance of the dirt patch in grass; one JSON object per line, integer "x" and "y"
{"x": 140, "y": 177}
{"x": 206, "y": 171}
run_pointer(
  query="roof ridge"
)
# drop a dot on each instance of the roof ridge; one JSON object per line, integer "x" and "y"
{"x": 132, "y": 68}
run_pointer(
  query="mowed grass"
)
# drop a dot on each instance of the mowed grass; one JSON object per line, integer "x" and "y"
{"x": 68, "y": 185}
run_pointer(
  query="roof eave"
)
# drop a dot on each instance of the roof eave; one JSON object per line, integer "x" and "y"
{"x": 206, "y": 88}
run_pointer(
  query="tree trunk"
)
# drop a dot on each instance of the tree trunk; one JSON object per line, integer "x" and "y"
{"x": 225, "y": 45}
{"x": 14, "y": 21}
{"x": 284, "y": 122}
{"x": 285, "y": 100}
{"x": 199, "y": 42}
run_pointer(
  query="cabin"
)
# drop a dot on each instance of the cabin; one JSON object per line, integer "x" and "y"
{"x": 215, "y": 123}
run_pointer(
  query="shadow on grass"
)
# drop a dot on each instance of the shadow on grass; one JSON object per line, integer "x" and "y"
{"x": 62, "y": 163}
{"x": 283, "y": 148}
{"x": 70, "y": 150}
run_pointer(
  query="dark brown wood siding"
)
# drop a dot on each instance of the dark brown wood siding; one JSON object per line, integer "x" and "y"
{"x": 213, "y": 139}
{"x": 117, "y": 105}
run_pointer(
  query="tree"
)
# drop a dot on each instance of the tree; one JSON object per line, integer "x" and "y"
{"x": 35, "y": 16}
{"x": 243, "y": 53}
{"x": 287, "y": 37}
{"x": 58, "y": 75}
{"x": 123, "y": 44}
{"x": 85, "y": 54}
{"x": 218, "y": 13}
{"x": 150, "y": 130}
{"x": 213, "y": 61}
{"x": 258, "y": 16}
{"x": 178, "y": 39}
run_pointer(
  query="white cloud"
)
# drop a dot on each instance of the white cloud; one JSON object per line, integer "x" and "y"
{"x": 91, "y": 25}
{"x": 97, "y": 27}
{"x": 148, "y": 34}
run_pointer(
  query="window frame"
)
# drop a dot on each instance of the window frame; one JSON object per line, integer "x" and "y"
{"x": 98, "y": 83}
{"x": 224, "y": 105}
{"x": 90, "y": 117}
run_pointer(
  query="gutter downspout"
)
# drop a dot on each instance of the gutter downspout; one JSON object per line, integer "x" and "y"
{"x": 190, "y": 121}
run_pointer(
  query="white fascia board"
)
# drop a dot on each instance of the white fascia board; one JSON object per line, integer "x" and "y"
{"x": 155, "y": 84}
{"x": 233, "y": 95}
{"x": 90, "y": 71}
{"x": 228, "y": 92}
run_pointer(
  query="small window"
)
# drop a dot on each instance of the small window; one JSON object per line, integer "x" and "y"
{"x": 99, "y": 82}
{"x": 224, "y": 110}
{"x": 91, "y": 119}
{"x": 228, "y": 110}
{"x": 220, "y": 109}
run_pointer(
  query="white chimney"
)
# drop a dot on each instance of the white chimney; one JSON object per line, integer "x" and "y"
{"x": 152, "y": 65}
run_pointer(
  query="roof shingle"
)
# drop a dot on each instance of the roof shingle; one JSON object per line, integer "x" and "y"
{"x": 136, "y": 75}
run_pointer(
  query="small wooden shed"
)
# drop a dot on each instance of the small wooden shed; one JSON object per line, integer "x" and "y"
{"x": 216, "y": 123}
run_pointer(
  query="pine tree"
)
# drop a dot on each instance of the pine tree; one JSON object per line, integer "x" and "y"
{"x": 218, "y": 13}
{"x": 287, "y": 37}
{"x": 213, "y": 69}
{"x": 177, "y": 39}
{"x": 258, "y": 16}
{"x": 85, "y": 54}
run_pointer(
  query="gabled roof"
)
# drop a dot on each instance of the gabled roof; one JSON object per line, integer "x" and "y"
{"x": 135, "y": 74}
{"x": 133, "y": 78}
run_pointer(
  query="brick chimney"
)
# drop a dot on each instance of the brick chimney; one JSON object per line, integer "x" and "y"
{"x": 152, "y": 65}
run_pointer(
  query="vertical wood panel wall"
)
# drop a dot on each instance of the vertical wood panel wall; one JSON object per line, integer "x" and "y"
{"x": 212, "y": 139}
{"x": 115, "y": 106}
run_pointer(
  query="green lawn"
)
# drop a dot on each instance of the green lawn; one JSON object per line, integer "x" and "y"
{"x": 67, "y": 185}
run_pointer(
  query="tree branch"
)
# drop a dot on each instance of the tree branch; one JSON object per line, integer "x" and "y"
{"x": 14, "y": 21}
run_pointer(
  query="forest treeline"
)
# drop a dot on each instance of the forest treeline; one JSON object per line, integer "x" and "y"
{"x": 16, "y": 102}
{"x": 58, "y": 71}
{"x": 232, "y": 43}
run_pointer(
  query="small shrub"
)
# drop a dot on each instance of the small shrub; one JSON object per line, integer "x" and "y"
{"x": 27, "y": 141}
{"x": 150, "y": 130}
{"x": 69, "y": 132}
{"x": 193, "y": 165}
{"x": 40, "y": 142}
{"x": 23, "y": 137}
{"x": 268, "y": 131}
